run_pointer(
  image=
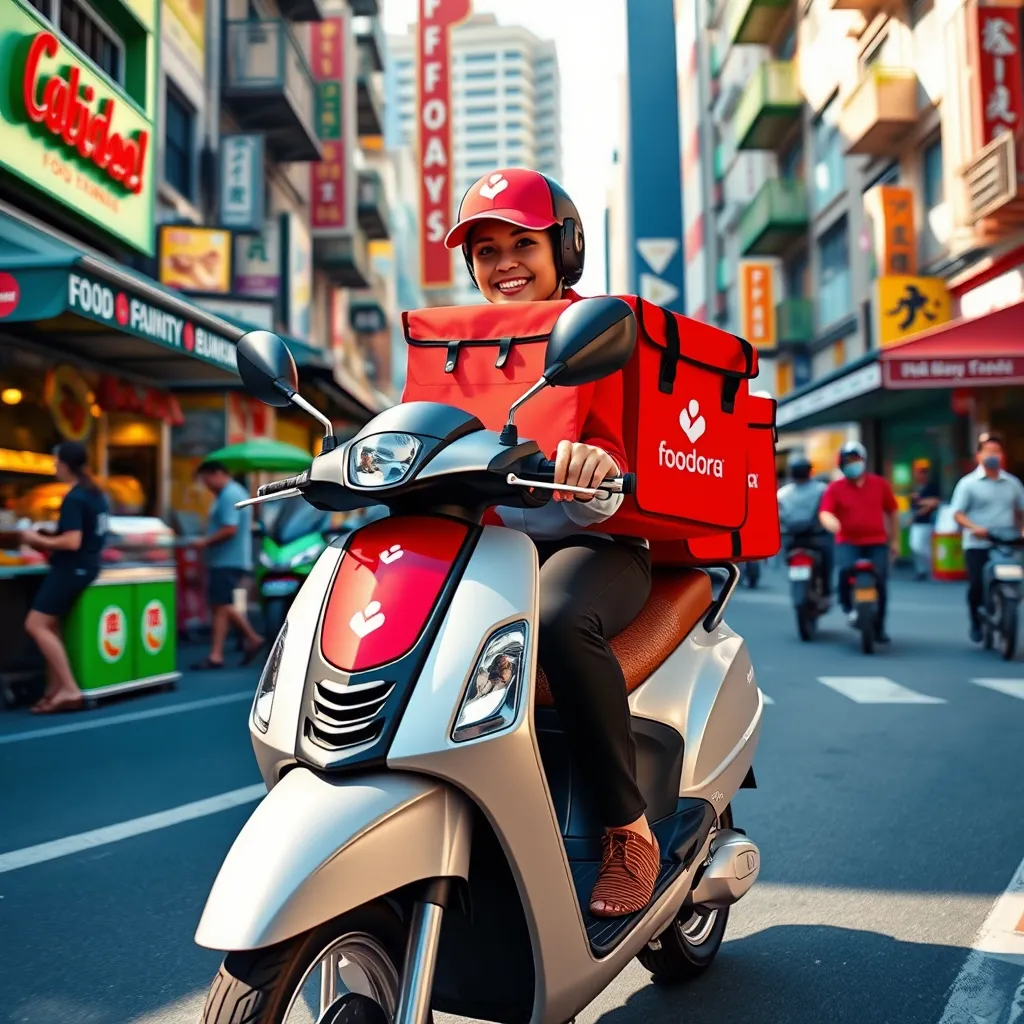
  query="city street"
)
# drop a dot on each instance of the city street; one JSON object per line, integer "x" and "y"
{"x": 888, "y": 815}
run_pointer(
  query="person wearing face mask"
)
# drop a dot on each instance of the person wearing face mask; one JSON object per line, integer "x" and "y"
{"x": 861, "y": 510}
{"x": 522, "y": 239}
{"x": 988, "y": 498}
{"x": 799, "y": 502}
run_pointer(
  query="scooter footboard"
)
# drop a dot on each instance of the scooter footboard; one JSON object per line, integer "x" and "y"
{"x": 320, "y": 845}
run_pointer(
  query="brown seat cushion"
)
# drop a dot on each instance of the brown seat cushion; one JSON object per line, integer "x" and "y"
{"x": 679, "y": 598}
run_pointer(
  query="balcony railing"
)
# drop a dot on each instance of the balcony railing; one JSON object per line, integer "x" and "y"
{"x": 369, "y": 98}
{"x": 794, "y": 320}
{"x": 770, "y": 107}
{"x": 757, "y": 21}
{"x": 774, "y": 218}
{"x": 270, "y": 88}
{"x": 878, "y": 114}
{"x": 370, "y": 36}
{"x": 344, "y": 258}
{"x": 372, "y": 205}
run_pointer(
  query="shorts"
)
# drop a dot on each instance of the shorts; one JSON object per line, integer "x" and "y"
{"x": 221, "y": 585}
{"x": 61, "y": 589}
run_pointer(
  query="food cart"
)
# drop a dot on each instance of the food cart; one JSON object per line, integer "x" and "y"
{"x": 120, "y": 636}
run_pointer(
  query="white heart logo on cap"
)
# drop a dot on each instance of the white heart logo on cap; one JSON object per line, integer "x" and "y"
{"x": 494, "y": 185}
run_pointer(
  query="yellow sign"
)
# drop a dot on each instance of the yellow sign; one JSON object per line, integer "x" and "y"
{"x": 184, "y": 22}
{"x": 905, "y": 306}
{"x": 69, "y": 400}
{"x": 27, "y": 462}
{"x": 195, "y": 259}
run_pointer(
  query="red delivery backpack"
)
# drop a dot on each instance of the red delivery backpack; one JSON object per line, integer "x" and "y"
{"x": 685, "y": 427}
{"x": 482, "y": 358}
{"x": 759, "y": 536}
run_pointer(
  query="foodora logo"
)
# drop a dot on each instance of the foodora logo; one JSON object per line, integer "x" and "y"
{"x": 694, "y": 427}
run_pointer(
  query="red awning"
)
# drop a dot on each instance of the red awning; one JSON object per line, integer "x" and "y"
{"x": 982, "y": 352}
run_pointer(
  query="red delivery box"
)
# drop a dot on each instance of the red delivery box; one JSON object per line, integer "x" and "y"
{"x": 685, "y": 399}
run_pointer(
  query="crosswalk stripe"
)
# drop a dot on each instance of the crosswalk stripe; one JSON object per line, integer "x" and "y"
{"x": 876, "y": 690}
{"x": 1011, "y": 687}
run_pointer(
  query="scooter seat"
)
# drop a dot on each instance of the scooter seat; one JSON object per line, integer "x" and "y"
{"x": 679, "y": 598}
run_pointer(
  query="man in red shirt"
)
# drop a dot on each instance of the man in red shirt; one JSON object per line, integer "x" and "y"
{"x": 860, "y": 509}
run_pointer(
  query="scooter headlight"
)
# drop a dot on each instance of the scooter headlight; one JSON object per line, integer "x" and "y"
{"x": 264, "y": 703}
{"x": 382, "y": 460}
{"x": 266, "y": 561}
{"x": 492, "y": 696}
{"x": 305, "y": 556}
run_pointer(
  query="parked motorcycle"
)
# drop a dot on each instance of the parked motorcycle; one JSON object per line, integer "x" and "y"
{"x": 752, "y": 574}
{"x": 864, "y": 587}
{"x": 427, "y": 841}
{"x": 291, "y": 542}
{"x": 1004, "y": 576}
{"x": 807, "y": 583}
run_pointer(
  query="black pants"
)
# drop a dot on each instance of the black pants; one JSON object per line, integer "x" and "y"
{"x": 975, "y": 560}
{"x": 590, "y": 590}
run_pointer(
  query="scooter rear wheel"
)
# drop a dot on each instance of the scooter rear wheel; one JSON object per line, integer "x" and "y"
{"x": 1008, "y": 630}
{"x": 356, "y": 958}
{"x": 689, "y": 945}
{"x": 806, "y": 622}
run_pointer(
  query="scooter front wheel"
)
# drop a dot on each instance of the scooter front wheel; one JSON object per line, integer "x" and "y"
{"x": 348, "y": 968}
{"x": 689, "y": 945}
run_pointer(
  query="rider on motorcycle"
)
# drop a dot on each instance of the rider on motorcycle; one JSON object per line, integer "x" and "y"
{"x": 799, "y": 501}
{"x": 522, "y": 240}
{"x": 861, "y": 510}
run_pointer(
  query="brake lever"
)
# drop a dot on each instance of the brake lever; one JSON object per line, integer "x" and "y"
{"x": 292, "y": 492}
{"x": 590, "y": 492}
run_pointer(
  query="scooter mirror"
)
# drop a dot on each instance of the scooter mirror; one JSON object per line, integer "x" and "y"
{"x": 267, "y": 368}
{"x": 591, "y": 339}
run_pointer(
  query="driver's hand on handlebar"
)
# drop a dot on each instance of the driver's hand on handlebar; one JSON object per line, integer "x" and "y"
{"x": 581, "y": 465}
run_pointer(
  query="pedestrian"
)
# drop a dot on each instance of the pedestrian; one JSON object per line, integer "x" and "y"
{"x": 861, "y": 510}
{"x": 228, "y": 554}
{"x": 924, "y": 502}
{"x": 988, "y": 498}
{"x": 74, "y": 553}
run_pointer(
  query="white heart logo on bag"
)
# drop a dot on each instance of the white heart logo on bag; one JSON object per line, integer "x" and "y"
{"x": 393, "y": 554}
{"x": 694, "y": 427}
{"x": 752, "y": 481}
{"x": 692, "y": 422}
{"x": 494, "y": 186}
{"x": 370, "y": 619}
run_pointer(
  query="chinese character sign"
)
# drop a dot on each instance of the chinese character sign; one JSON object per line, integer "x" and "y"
{"x": 1000, "y": 100}
{"x": 906, "y": 305}
{"x": 241, "y": 182}
{"x": 891, "y": 210}
{"x": 433, "y": 69}
{"x": 328, "y": 187}
{"x": 757, "y": 304}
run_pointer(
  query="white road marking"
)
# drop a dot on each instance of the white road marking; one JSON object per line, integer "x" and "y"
{"x": 980, "y": 988}
{"x": 1011, "y": 687}
{"x": 131, "y": 716}
{"x": 876, "y": 690}
{"x": 69, "y": 845}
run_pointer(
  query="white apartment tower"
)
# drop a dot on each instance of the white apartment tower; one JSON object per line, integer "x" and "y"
{"x": 506, "y": 106}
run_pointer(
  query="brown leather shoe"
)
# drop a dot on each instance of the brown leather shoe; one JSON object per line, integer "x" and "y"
{"x": 629, "y": 872}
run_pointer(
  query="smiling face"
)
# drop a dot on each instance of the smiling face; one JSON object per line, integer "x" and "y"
{"x": 513, "y": 264}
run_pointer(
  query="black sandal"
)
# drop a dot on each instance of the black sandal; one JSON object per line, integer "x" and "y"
{"x": 206, "y": 665}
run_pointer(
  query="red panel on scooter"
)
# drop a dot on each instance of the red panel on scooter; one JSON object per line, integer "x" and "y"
{"x": 386, "y": 587}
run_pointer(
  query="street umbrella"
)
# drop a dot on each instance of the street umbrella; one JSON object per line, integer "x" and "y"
{"x": 262, "y": 455}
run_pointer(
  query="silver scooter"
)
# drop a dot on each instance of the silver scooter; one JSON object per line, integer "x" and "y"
{"x": 426, "y": 841}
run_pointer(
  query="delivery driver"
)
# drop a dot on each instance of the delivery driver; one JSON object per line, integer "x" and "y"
{"x": 522, "y": 240}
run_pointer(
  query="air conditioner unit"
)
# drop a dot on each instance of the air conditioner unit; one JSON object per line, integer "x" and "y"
{"x": 731, "y": 216}
{"x": 727, "y": 101}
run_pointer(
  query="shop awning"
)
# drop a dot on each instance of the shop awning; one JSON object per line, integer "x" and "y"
{"x": 61, "y": 297}
{"x": 984, "y": 352}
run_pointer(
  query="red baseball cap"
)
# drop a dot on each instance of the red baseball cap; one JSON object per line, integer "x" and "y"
{"x": 515, "y": 195}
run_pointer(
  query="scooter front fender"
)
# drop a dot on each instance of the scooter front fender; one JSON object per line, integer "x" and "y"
{"x": 319, "y": 845}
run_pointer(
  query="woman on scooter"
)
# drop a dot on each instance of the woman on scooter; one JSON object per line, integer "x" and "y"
{"x": 522, "y": 239}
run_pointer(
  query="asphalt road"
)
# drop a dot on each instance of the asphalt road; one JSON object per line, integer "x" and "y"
{"x": 888, "y": 833}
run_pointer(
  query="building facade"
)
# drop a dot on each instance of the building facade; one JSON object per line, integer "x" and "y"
{"x": 856, "y": 163}
{"x": 506, "y": 104}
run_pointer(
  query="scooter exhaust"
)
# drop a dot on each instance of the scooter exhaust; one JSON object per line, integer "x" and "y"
{"x": 734, "y": 866}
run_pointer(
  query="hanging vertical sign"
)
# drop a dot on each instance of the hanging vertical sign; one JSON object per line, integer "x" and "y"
{"x": 757, "y": 304}
{"x": 434, "y": 101}
{"x": 241, "y": 182}
{"x": 1000, "y": 97}
{"x": 329, "y": 181}
{"x": 891, "y": 211}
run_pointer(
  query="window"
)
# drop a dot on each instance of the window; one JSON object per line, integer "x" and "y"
{"x": 479, "y": 93}
{"x": 931, "y": 173}
{"x": 796, "y": 277}
{"x": 92, "y": 37}
{"x": 936, "y": 228}
{"x": 829, "y": 168}
{"x": 490, "y": 144}
{"x": 478, "y": 58}
{"x": 479, "y": 76}
{"x": 791, "y": 163}
{"x": 478, "y": 109}
{"x": 834, "y": 295}
{"x": 479, "y": 165}
{"x": 513, "y": 72}
{"x": 179, "y": 125}
{"x": 514, "y": 144}
{"x": 514, "y": 107}
{"x": 514, "y": 55}
{"x": 513, "y": 90}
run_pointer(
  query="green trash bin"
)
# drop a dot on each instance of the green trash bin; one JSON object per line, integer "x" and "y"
{"x": 155, "y": 623}
{"x": 98, "y": 635}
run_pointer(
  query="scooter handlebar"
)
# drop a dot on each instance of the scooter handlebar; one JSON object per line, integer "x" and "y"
{"x": 287, "y": 484}
{"x": 544, "y": 472}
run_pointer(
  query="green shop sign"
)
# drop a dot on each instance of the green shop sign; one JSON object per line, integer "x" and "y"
{"x": 68, "y": 130}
